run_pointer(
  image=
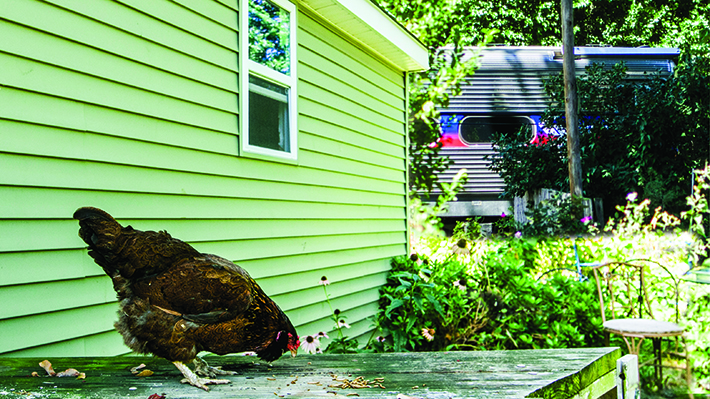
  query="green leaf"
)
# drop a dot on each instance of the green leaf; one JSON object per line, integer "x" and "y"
{"x": 392, "y": 306}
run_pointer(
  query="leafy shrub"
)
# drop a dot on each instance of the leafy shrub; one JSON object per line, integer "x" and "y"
{"x": 525, "y": 312}
{"x": 428, "y": 306}
{"x": 560, "y": 215}
{"x": 497, "y": 304}
{"x": 469, "y": 230}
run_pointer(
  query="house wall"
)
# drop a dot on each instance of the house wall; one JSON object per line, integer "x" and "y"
{"x": 132, "y": 107}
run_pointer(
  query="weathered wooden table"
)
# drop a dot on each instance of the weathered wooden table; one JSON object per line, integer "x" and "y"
{"x": 563, "y": 373}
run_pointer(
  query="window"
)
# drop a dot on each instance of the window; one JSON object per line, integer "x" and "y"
{"x": 268, "y": 76}
{"x": 480, "y": 129}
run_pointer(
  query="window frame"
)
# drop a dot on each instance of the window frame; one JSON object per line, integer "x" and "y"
{"x": 249, "y": 67}
{"x": 479, "y": 143}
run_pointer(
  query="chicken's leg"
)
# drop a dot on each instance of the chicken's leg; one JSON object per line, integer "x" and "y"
{"x": 205, "y": 370}
{"x": 192, "y": 378}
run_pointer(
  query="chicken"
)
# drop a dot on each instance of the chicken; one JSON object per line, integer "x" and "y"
{"x": 175, "y": 302}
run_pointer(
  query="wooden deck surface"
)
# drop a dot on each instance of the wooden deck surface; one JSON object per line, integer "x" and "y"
{"x": 559, "y": 373}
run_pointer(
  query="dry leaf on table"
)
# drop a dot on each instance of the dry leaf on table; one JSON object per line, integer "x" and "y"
{"x": 47, "y": 366}
{"x": 144, "y": 373}
{"x": 69, "y": 373}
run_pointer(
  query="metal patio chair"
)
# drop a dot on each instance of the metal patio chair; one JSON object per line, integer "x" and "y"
{"x": 626, "y": 311}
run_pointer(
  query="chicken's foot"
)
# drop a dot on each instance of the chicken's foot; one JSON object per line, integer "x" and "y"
{"x": 205, "y": 370}
{"x": 192, "y": 378}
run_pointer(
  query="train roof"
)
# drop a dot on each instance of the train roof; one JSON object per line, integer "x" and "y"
{"x": 509, "y": 79}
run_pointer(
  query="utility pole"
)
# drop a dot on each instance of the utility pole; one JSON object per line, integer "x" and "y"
{"x": 573, "y": 152}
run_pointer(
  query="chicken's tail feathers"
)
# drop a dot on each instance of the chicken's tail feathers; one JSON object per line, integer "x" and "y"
{"x": 91, "y": 213}
{"x": 100, "y": 231}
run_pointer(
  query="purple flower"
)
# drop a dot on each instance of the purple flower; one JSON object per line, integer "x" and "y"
{"x": 518, "y": 234}
{"x": 502, "y": 215}
{"x": 586, "y": 219}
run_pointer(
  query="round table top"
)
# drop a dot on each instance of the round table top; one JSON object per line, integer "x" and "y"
{"x": 645, "y": 327}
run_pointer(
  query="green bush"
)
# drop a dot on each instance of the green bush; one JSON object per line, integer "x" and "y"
{"x": 520, "y": 293}
{"x": 525, "y": 312}
{"x": 495, "y": 304}
{"x": 427, "y": 297}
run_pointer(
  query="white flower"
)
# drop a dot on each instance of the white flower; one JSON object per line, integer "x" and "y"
{"x": 428, "y": 333}
{"x": 460, "y": 248}
{"x": 631, "y": 197}
{"x": 460, "y": 284}
{"x": 380, "y": 338}
{"x": 342, "y": 323}
{"x": 309, "y": 344}
{"x": 322, "y": 335}
{"x": 324, "y": 281}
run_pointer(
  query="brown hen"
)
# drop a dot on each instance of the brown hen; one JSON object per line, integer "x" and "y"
{"x": 176, "y": 302}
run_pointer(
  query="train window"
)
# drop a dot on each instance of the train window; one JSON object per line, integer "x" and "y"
{"x": 480, "y": 129}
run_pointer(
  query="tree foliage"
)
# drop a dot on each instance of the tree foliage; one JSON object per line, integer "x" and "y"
{"x": 644, "y": 137}
{"x": 439, "y": 26}
{"x": 458, "y": 23}
{"x": 269, "y": 35}
{"x": 673, "y": 23}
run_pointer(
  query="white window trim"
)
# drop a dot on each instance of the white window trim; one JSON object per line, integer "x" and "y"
{"x": 248, "y": 67}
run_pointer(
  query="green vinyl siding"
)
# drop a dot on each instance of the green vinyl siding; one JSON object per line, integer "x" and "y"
{"x": 133, "y": 107}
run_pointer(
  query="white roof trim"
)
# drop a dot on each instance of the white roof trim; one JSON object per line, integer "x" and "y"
{"x": 372, "y": 27}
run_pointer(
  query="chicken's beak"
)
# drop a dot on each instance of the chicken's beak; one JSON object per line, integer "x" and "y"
{"x": 294, "y": 352}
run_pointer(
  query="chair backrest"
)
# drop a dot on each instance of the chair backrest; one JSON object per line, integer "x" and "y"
{"x": 623, "y": 289}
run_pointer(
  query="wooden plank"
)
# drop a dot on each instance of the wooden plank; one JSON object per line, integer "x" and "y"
{"x": 39, "y": 266}
{"x": 89, "y": 32}
{"x": 260, "y": 268}
{"x": 149, "y": 28}
{"x": 327, "y": 161}
{"x": 180, "y": 170}
{"x": 243, "y": 249}
{"x": 42, "y": 235}
{"x": 220, "y": 12}
{"x": 359, "y": 319}
{"x": 626, "y": 377}
{"x": 24, "y": 332}
{"x": 333, "y": 146}
{"x": 152, "y": 206}
{"x": 70, "y": 173}
{"x": 319, "y": 39}
{"x": 340, "y": 289}
{"x": 321, "y": 128}
{"x": 332, "y": 115}
{"x": 344, "y": 105}
{"x": 494, "y": 374}
{"x": 213, "y": 22}
{"x": 23, "y": 300}
{"x": 319, "y": 310}
{"x": 279, "y": 247}
{"x": 109, "y": 343}
{"x": 34, "y": 76}
{"x": 599, "y": 388}
{"x": 330, "y": 78}
{"x": 311, "y": 278}
{"x": 78, "y": 118}
{"x": 571, "y": 385}
{"x": 53, "y": 50}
